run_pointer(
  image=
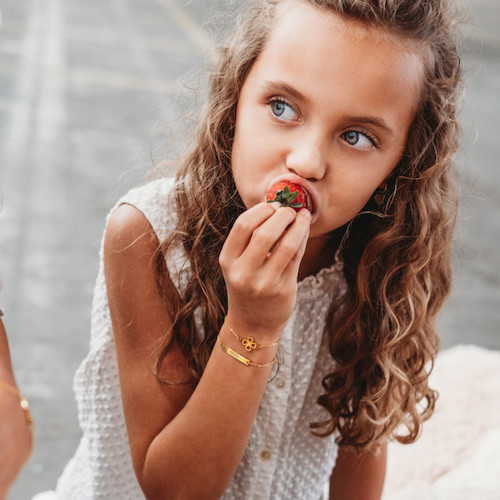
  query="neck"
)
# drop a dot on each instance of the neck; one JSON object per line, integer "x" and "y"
{"x": 320, "y": 253}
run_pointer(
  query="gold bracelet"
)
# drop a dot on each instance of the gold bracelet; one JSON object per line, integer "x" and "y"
{"x": 249, "y": 342}
{"x": 22, "y": 400}
{"x": 238, "y": 357}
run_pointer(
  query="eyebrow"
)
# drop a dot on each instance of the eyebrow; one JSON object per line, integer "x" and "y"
{"x": 273, "y": 86}
{"x": 377, "y": 122}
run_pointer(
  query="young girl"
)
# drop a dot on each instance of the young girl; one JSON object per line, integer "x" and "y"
{"x": 243, "y": 349}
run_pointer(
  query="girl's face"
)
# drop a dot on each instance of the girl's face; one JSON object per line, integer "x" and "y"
{"x": 328, "y": 105}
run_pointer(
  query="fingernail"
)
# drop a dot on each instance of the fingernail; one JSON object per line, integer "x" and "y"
{"x": 306, "y": 213}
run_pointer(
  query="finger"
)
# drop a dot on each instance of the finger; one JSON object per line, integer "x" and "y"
{"x": 243, "y": 228}
{"x": 290, "y": 249}
{"x": 267, "y": 235}
{"x": 292, "y": 270}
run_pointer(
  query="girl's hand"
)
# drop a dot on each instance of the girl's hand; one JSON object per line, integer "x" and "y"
{"x": 260, "y": 261}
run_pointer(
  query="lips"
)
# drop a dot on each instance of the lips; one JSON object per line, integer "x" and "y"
{"x": 290, "y": 194}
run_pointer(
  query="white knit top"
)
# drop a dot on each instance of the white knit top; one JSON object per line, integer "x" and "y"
{"x": 283, "y": 460}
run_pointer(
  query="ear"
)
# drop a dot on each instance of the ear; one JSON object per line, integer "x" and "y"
{"x": 382, "y": 189}
{"x": 380, "y": 193}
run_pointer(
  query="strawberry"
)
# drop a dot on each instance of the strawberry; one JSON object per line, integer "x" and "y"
{"x": 290, "y": 195}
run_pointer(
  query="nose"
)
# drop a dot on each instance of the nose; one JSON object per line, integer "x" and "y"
{"x": 306, "y": 156}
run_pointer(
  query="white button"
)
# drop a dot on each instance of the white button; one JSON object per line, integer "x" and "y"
{"x": 280, "y": 383}
{"x": 266, "y": 455}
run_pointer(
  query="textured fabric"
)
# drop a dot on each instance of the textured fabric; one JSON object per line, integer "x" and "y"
{"x": 283, "y": 460}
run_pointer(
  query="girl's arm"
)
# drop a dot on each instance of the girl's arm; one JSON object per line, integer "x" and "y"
{"x": 187, "y": 441}
{"x": 15, "y": 434}
{"x": 358, "y": 477}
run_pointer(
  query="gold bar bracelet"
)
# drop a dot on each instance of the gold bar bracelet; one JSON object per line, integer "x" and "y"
{"x": 238, "y": 357}
{"x": 235, "y": 355}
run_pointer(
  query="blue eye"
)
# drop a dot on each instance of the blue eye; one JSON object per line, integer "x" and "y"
{"x": 282, "y": 110}
{"x": 359, "y": 140}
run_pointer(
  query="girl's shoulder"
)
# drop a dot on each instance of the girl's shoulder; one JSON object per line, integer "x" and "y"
{"x": 154, "y": 201}
{"x": 136, "y": 225}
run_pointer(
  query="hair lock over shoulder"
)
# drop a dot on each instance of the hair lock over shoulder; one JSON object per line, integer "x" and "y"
{"x": 396, "y": 257}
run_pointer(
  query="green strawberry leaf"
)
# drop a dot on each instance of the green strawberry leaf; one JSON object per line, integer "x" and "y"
{"x": 286, "y": 197}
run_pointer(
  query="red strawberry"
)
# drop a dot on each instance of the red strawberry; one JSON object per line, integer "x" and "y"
{"x": 290, "y": 195}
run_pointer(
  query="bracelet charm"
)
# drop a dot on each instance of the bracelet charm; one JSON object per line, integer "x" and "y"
{"x": 249, "y": 344}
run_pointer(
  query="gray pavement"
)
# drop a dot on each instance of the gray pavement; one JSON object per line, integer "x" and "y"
{"x": 88, "y": 91}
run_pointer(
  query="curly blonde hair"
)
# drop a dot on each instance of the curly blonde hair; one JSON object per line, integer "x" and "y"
{"x": 396, "y": 252}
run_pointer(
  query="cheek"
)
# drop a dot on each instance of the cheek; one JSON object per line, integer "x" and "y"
{"x": 243, "y": 163}
{"x": 353, "y": 206}
{"x": 237, "y": 167}
{"x": 352, "y": 198}
{"x": 241, "y": 150}
{"x": 253, "y": 157}
{"x": 360, "y": 183}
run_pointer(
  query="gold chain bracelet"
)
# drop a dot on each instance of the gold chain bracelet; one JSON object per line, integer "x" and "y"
{"x": 249, "y": 342}
{"x": 22, "y": 400}
{"x": 238, "y": 357}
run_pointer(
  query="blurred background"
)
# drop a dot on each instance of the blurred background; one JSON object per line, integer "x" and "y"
{"x": 89, "y": 93}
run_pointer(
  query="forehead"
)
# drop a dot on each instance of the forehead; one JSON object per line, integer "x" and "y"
{"x": 309, "y": 39}
{"x": 302, "y": 12}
